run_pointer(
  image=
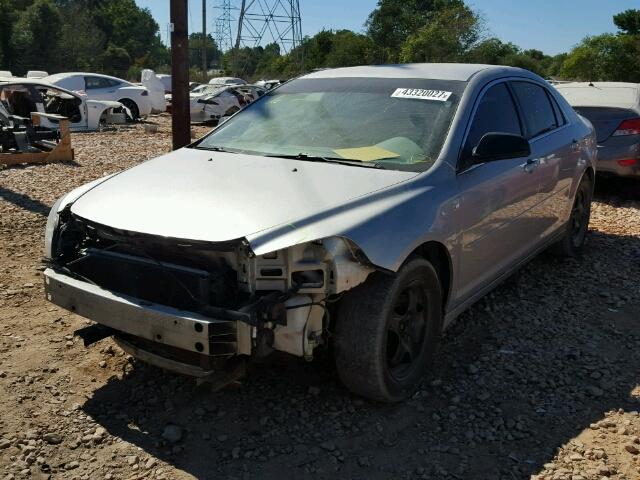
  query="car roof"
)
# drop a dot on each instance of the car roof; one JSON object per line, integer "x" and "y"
{"x": 57, "y": 76}
{"x": 601, "y": 94}
{"x": 34, "y": 81}
{"x": 430, "y": 71}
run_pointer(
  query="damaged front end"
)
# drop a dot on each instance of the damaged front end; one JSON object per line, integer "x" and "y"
{"x": 196, "y": 307}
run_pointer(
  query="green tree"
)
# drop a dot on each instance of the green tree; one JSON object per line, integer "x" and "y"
{"x": 214, "y": 55}
{"x": 522, "y": 60}
{"x": 393, "y": 21}
{"x": 491, "y": 51}
{"x": 115, "y": 61}
{"x": 447, "y": 37}
{"x": 126, "y": 25}
{"x": 604, "y": 57}
{"x": 348, "y": 49}
{"x": 80, "y": 39}
{"x": 628, "y": 21}
{"x": 7, "y": 18}
{"x": 34, "y": 41}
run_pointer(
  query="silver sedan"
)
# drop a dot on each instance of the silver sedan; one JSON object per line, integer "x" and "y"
{"x": 614, "y": 110}
{"x": 360, "y": 208}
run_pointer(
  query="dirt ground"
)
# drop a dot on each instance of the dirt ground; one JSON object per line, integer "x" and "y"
{"x": 540, "y": 380}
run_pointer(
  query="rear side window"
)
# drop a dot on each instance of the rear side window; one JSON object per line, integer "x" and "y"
{"x": 538, "y": 113}
{"x": 560, "y": 120}
{"x": 96, "y": 82}
{"x": 496, "y": 113}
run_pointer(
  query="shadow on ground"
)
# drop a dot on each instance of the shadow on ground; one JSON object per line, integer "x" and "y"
{"x": 24, "y": 201}
{"x": 522, "y": 372}
{"x": 616, "y": 190}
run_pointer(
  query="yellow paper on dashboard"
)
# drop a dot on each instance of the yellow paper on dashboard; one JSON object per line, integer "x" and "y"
{"x": 366, "y": 154}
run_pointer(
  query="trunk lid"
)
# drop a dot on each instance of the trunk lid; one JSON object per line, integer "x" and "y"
{"x": 605, "y": 119}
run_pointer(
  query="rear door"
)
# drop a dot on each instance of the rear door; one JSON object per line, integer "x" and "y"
{"x": 100, "y": 88}
{"x": 554, "y": 154}
{"x": 496, "y": 197}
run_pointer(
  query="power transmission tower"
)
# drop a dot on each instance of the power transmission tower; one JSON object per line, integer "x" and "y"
{"x": 270, "y": 21}
{"x": 224, "y": 37}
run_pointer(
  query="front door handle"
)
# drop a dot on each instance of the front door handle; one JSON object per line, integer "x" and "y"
{"x": 530, "y": 165}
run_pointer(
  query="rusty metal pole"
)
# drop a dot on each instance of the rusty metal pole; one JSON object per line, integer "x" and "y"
{"x": 180, "y": 118}
{"x": 204, "y": 39}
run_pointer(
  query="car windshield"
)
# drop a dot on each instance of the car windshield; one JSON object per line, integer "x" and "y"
{"x": 393, "y": 123}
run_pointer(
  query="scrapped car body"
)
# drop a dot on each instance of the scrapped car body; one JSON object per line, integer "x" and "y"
{"x": 156, "y": 88}
{"x": 360, "y": 208}
{"x": 96, "y": 86}
{"x": 22, "y": 96}
{"x": 37, "y": 74}
{"x": 614, "y": 110}
{"x": 227, "y": 81}
{"x": 209, "y": 103}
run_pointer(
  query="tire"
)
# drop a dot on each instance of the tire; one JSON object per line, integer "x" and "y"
{"x": 132, "y": 106}
{"x": 380, "y": 322}
{"x": 576, "y": 229}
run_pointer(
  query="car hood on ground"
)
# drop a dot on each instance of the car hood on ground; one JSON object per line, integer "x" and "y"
{"x": 211, "y": 196}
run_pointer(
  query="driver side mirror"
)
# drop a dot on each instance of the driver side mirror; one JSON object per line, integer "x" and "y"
{"x": 500, "y": 146}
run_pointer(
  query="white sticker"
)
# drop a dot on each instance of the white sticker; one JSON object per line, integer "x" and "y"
{"x": 421, "y": 94}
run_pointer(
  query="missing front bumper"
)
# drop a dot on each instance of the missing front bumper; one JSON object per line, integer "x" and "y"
{"x": 153, "y": 322}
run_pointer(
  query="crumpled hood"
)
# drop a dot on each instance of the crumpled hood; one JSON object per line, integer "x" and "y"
{"x": 211, "y": 196}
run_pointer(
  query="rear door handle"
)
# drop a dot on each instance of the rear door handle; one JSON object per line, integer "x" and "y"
{"x": 530, "y": 165}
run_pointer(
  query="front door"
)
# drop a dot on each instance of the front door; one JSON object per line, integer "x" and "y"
{"x": 496, "y": 198}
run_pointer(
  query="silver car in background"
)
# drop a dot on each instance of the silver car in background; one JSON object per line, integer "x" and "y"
{"x": 359, "y": 208}
{"x": 614, "y": 110}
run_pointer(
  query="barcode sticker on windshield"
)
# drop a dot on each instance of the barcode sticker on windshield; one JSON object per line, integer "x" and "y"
{"x": 421, "y": 94}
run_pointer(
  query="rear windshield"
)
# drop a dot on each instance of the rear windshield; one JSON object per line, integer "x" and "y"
{"x": 396, "y": 123}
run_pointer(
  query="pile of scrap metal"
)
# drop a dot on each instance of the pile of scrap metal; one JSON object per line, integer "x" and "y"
{"x": 25, "y": 140}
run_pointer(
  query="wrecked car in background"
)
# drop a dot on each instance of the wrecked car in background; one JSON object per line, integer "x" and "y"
{"x": 360, "y": 208}
{"x": 21, "y": 96}
{"x": 95, "y": 86}
{"x": 209, "y": 103}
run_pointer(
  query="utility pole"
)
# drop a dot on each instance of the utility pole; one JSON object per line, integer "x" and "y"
{"x": 204, "y": 38}
{"x": 180, "y": 117}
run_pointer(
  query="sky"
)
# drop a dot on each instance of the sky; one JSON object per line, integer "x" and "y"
{"x": 553, "y": 26}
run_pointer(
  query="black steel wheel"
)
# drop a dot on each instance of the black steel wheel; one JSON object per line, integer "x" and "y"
{"x": 387, "y": 332}
{"x": 578, "y": 225}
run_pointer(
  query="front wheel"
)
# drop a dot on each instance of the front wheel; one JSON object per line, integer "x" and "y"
{"x": 388, "y": 330}
{"x": 578, "y": 225}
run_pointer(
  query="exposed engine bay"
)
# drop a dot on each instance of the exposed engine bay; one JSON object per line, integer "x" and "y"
{"x": 223, "y": 300}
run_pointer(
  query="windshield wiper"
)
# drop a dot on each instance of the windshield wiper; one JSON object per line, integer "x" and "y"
{"x": 216, "y": 148}
{"x": 317, "y": 158}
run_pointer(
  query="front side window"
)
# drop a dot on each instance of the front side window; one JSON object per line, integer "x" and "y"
{"x": 538, "y": 113}
{"x": 496, "y": 113}
{"x": 393, "y": 123}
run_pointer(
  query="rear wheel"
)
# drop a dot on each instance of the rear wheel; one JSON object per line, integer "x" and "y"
{"x": 388, "y": 331}
{"x": 578, "y": 224}
{"x": 132, "y": 106}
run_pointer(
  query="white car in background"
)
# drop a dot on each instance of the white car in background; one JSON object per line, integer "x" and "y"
{"x": 166, "y": 81}
{"x": 37, "y": 74}
{"x": 209, "y": 103}
{"x": 21, "y": 96}
{"x": 103, "y": 87}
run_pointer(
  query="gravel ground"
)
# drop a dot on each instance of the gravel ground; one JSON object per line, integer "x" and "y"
{"x": 540, "y": 380}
